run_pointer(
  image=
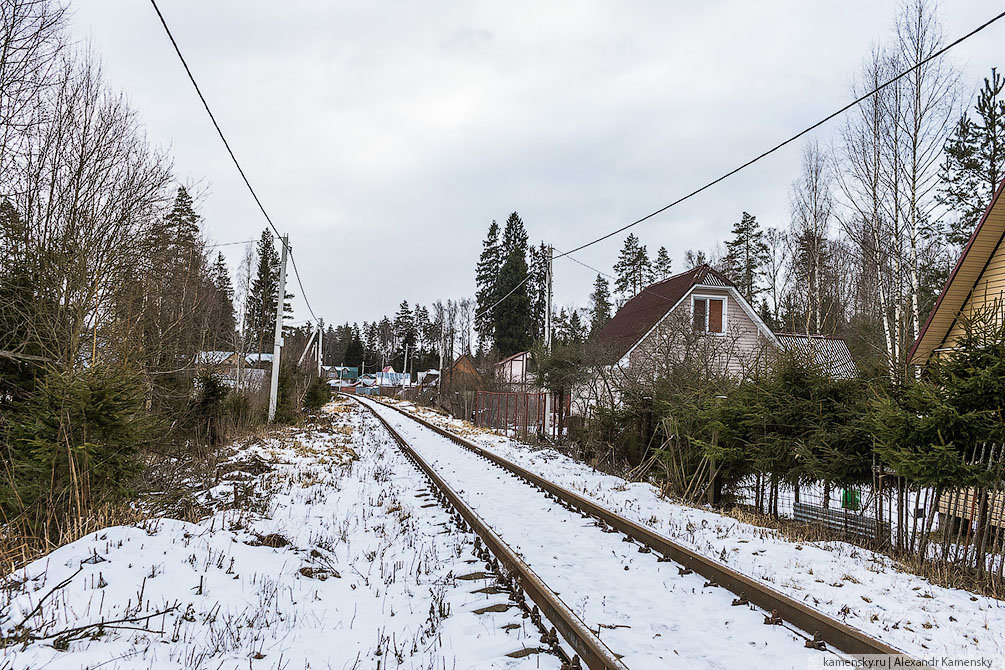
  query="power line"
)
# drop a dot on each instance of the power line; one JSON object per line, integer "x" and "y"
{"x": 499, "y": 301}
{"x": 791, "y": 139}
{"x": 230, "y": 151}
{"x": 303, "y": 293}
{"x": 227, "y": 244}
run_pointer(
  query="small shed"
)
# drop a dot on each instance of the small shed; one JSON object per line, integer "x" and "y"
{"x": 460, "y": 383}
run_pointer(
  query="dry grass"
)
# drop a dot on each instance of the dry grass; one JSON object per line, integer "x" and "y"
{"x": 21, "y": 547}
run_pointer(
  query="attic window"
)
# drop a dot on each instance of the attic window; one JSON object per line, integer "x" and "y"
{"x": 708, "y": 314}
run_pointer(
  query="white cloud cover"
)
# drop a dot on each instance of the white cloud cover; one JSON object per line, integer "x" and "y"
{"x": 383, "y": 134}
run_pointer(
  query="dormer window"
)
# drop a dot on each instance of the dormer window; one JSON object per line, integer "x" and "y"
{"x": 708, "y": 314}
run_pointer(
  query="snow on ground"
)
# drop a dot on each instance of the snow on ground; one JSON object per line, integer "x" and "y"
{"x": 334, "y": 556}
{"x": 644, "y": 609}
{"x": 857, "y": 586}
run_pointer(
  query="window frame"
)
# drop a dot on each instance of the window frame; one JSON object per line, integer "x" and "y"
{"x": 725, "y": 308}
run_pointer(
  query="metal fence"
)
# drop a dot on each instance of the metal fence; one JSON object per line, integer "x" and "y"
{"x": 522, "y": 414}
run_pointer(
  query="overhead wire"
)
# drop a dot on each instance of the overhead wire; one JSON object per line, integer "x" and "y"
{"x": 853, "y": 103}
{"x": 233, "y": 157}
{"x": 791, "y": 139}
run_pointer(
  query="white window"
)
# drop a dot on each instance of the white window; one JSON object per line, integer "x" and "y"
{"x": 708, "y": 314}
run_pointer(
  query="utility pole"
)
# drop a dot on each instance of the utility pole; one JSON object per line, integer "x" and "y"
{"x": 320, "y": 338}
{"x": 439, "y": 378}
{"x": 277, "y": 348}
{"x": 547, "y": 343}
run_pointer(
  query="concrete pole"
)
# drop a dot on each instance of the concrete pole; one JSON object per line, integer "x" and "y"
{"x": 547, "y": 343}
{"x": 439, "y": 379}
{"x": 277, "y": 348}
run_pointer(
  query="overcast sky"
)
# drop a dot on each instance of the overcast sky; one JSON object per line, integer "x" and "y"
{"x": 385, "y": 137}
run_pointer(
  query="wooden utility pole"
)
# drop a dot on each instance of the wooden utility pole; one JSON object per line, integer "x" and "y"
{"x": 277, "y": 348}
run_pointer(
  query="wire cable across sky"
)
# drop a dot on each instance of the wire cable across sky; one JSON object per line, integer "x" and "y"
{"x": 790, "y": 140}
{"x": 237, "y": 164}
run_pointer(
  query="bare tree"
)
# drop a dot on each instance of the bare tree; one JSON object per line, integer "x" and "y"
{"x": 812, "y": 204}
{"x": 31, "y": 39}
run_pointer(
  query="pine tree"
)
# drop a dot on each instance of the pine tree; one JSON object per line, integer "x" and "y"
{"x": 975, "y": 161}
{"x": 600, "y": 305}
{"x": 746, "y": 256}
{"x": 486, "y": 276}
{"x": 662, "y": 265}
{"x": 633, "y": 270}
{"x": 693, "y": 259}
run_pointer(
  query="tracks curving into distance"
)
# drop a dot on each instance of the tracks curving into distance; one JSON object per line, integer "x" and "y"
{"x": 654, "y": 612}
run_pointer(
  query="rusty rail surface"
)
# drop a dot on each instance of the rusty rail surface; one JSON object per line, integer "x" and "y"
{"x": 781, "y": 607}
{"x": 594, "y": 653}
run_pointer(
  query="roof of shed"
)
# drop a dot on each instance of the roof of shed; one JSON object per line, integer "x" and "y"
{"x": 829, "y": 352}
{"x": 638, "y": 316}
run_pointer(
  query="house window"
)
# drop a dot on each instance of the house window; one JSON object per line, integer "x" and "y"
{"x": 708, "y": 314}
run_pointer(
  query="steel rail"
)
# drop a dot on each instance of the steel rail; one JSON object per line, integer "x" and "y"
{"x": 781, "y": 607}
{"x": 594, "y": 653}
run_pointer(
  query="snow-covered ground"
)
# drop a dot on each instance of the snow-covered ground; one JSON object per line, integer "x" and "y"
{"x": 644, "y": 609}
{"x": 862, "y": 588}
{"x": 336, "y": 557}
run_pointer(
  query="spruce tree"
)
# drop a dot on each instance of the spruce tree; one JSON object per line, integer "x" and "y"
{"x": 538, "y": 285}
{"x": 513, "y": 321}
{"x": 404, "y": 334}
{"x": 224, "y": 322}
{"x": 662, "y": 265}
{"x": 514, "y": 237}
{"x": 263, "y": 294}
{"x": 975, "y": 161}
{"x": 600, "y": 305}
{"x": 633, "y": 271}
{"x": 746, "y": 256}
{"x": 577, "y": 331}
{"x": 486, "y": 276}
{"x": 183, "y": 222}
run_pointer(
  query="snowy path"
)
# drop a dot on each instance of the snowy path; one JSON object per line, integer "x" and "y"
{"x": 862, "y": 588}
{"x": 340, "y": 560}
{"x": 644, "y": 609}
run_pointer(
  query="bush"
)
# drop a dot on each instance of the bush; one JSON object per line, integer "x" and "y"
{"x": 318, "y": 393}
{"x": 74, "y": 443}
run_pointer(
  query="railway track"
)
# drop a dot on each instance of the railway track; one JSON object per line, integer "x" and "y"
{"x": 651, "y": 626}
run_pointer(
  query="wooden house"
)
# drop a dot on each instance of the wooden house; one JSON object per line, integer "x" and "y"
{"x": 700, "y": 305}
{"x": 976, "y": 282}
{"x": 976, "y": 285}
{"x": 698, "y": 320}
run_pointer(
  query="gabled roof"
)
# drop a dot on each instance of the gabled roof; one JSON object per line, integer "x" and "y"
{"x": 829, "y": 352}
{"x": 512, "y": 358}
{"x": 638, "y": 316}
{"x": 980, "y": 249}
